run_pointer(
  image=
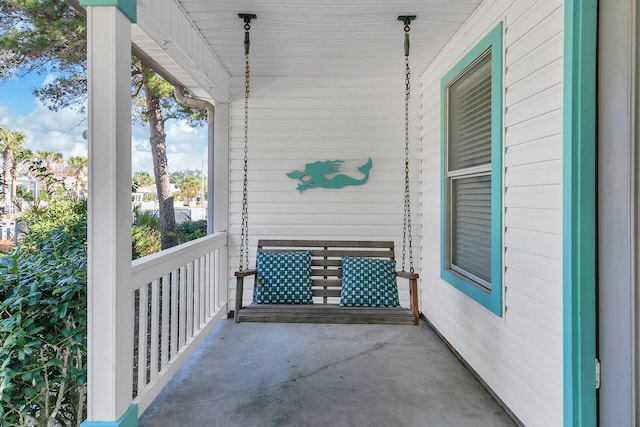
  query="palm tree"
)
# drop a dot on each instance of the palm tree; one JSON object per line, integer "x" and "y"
{"x": 78, "y": 165}
{"x": 9, "y": 143}
{"x": 20, "y": 156}
{"x": 48, "y": 159}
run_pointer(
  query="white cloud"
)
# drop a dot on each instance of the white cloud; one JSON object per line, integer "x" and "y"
{"x": 4, "y": 115}
{"x": 186, "y": 147}
{"x": 61, "y": 132}
{"x": 141, "y": 158}
{"x": 53, "y": 131}
{"x": 50, "y": 78}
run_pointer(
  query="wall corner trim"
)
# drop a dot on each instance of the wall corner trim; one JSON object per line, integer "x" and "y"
{"x": 579, "y": 213}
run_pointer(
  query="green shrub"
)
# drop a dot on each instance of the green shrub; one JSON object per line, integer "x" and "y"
{"x": 192, "y": 230}
{"x": 145, "y": 234}
{"x": 146, "y": 219}
{"x": 43, "y": 322}
{"x": 145, "y": 240}
{"x": 42, "y": 218}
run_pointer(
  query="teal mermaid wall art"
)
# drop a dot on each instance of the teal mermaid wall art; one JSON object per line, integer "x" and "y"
{"x": 318, "y": 175}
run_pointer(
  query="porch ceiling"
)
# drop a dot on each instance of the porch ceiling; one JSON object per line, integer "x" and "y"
{"x": 324, "y": 37}
{"x": 327, "y": 37}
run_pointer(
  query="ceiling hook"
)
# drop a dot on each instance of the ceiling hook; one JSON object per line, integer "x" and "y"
{"x": 406, "y": 19}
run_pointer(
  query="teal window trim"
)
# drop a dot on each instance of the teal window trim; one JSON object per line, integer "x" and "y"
{"x": 127, "y": 7}
{"x": 579, "y": 213}
{"x": 128, "y": 419}
{"x": 492, "y": 300}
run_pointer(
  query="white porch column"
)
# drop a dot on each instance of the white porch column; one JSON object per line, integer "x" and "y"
{"x": 219, "y": 171}
{"x": 110, "y": 301}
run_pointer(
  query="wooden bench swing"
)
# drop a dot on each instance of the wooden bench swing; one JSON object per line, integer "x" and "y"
{"x": 326, "y": 278}
{"x": 327, "y": 255}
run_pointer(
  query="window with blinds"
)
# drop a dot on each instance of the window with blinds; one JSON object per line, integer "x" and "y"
{"x": 469, "y": 172}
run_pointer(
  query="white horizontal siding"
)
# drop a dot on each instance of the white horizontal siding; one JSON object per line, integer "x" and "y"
{"x": 519, "y": 355}
{"x": 294, "y": 121}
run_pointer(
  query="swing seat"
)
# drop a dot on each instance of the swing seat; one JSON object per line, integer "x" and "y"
{"x": 326, "y": 286}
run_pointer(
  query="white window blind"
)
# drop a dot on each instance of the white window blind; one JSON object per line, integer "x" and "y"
{"x": 470, "y": 117}
{"x": 469, "y": 172}
{"x": 471, "y": 228}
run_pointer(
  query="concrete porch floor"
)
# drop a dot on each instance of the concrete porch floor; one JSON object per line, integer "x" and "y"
{"x": 253, "y": 374}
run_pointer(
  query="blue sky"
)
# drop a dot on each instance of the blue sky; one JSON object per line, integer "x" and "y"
{"x": 62, "y": 131}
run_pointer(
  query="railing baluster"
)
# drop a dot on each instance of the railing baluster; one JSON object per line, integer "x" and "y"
{"x": 207, "y": 284}
{"x": 213, "y": 272}
{"x": 190, "y": 301}
{"x": 203, "y": 293}
{"x": 183, "y": 307}
{"x": 155, "y": 331}
{"x": 222, "y": 277}
{"x": 143, "y": 304}
{"x": 196, "y": 295}
{"x": 173, "y": 348}
{"x": 216, "y": 280}
{"x": 164, "y": 338}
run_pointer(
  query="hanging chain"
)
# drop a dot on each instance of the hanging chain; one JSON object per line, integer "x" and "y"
{"x": 407, "y": 239}
{"x": 244, "y": 233}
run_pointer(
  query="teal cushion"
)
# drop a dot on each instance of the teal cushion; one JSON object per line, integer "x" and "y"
{"x": 369, "y": 282}
{"x": 283, "y": 278}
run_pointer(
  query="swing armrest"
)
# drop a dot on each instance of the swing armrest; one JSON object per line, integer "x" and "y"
{"x": 413, "y": 292}
{"x": 240, "y": 275}
{"x": 245, "y": 273}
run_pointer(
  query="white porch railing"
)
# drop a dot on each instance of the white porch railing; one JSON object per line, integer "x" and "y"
{"x": 7, "y": 230}
{"x": 179, "y": 294}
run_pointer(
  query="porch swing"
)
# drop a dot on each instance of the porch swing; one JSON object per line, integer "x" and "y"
{"x": 299, "y": 281}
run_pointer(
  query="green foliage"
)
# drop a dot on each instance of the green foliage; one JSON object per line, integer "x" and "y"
{"x": 189, "y": 182}
{"x": 190, "y": 187}
{"x": 144, "y": 241}
{"x": 46, "y": 37}
{"x": 179, "y": 176}
{"x": 145, "y": 234}
{"x": 43, "y": 321}
{"x": 147, "y": 85}
{"x": 191, "y": 230}
{"x": 142, "y": 179}
{"x": 61, "y": 208}
{"x": 146, "y": 219}
{"x": 24, "y": 194}
{"x": 78, "y": 163}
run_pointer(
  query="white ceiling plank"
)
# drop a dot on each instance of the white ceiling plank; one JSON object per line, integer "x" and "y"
{"x": 306, "y": 38}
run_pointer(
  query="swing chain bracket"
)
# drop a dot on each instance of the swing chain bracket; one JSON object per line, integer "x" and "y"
{"x": 247, "y": 17}
{"x": 406, "y": 19}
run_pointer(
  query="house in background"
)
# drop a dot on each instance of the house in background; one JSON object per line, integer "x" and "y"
{"x": 525, "y": 199}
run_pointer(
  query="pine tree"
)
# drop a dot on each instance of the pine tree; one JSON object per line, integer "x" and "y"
{"x": 49, "y": 36}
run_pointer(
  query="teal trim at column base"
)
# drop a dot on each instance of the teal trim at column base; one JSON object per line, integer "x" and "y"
{"x": 128, "y": 419}
{"x": 127, "y": 7}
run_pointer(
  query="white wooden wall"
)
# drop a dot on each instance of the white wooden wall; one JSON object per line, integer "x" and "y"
{"x": 295, "y": 121}
{"x": 519, "y": 355}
